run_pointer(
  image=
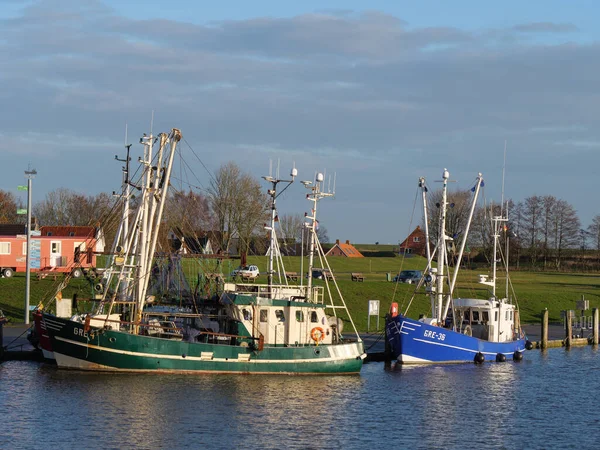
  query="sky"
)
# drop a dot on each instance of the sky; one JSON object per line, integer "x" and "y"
{"x": 378, "y": 93}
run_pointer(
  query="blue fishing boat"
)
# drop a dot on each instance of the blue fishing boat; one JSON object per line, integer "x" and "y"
{"x": 459, "y": 329}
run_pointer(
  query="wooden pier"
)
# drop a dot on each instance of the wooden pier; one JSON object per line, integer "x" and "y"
{"x": 569, "y": 339}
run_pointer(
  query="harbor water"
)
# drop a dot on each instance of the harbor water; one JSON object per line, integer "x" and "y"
{"x": 548, "y": 400}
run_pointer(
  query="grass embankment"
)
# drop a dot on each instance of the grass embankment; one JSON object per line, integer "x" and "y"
{"x": 534, "y": 290}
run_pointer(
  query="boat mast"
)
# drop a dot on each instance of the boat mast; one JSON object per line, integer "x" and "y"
{"x": 423, "y": 188}
{"x": 273, "y": 246}
{"x": 463, "y": 243}
{"x": 425, "y": 216}
{"x": 160, "y": 188}
{"x": 439, "y": 295}
{"x": 314, "y": 196}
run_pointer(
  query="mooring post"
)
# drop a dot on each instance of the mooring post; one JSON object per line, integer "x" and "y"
{"x": 595, "y": 326}
{"x": 545, "y": 328}
{"x": 569, "y": 328}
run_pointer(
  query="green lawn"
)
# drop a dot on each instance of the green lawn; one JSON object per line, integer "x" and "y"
{"x": 534, "y": 290}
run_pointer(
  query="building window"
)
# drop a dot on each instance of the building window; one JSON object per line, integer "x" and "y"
{"x": 4, "y": 248}
{"x": 299, "y": 316}
{"x": 263, "y": 315}
{"x": 55, "y": 247}
{"x": 246, "y": 314}
{"x": 416, "y": 239}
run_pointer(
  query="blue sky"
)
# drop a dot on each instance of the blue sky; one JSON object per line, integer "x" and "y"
{"x": 378, "y": 92}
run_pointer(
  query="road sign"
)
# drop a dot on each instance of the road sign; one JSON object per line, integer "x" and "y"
{"x": 373, "y": 311}
{"x": 21, "y": 211}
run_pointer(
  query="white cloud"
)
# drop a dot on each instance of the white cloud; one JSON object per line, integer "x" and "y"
{"x": 364, "y": 94}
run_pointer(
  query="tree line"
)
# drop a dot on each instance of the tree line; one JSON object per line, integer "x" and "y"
{"x": 542, "y": 232}
{"x": 234, "y": 206}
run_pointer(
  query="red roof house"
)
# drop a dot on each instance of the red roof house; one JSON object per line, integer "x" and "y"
{"x": 415, "y": 243}
{"x": 346, "y": 250}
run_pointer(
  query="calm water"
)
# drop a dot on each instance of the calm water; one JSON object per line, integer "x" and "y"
{"x": 549, "y": 400}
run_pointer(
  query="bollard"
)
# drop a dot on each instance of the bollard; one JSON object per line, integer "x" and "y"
{"x": 545, "y": 328}
{"x": 595, "y": 326}
{"x": 569, "y": 331}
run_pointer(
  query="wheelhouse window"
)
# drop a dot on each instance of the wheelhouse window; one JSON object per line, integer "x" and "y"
{"x": 313, "y": 317}
{"x": 4, "y": 248}
{"x": 246, "y": 314}
{"x": 485, "y": 316}
{"x": 299, "y": 316}
{"x": 264, "y": 314}
{"x": 475, "y": 316}
{"x": 280, "y": 315}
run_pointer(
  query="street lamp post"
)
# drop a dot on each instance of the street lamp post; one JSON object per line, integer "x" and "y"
{"x": 29, "y": 174}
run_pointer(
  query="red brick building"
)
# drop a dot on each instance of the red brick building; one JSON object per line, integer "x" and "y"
{"x": 415, "y": 243}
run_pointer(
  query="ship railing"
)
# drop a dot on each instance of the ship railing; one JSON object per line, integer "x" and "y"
{"x": 290, "y": 292}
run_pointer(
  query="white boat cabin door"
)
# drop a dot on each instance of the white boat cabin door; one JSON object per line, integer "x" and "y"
{"x": 55, "y": 253}
{"x": 271, "y": 324}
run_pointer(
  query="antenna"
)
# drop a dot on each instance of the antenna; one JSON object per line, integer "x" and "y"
{"x": 125, "y": 134}
{"x": 503, "y": 172}
{"x": 152, "y": 123}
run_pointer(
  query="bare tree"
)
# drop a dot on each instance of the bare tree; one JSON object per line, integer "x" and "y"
{"x": 531, "y": 219}
{"x": 548, "y": 204}
{"x": 189, "y": 211}
{"x": 291, "y": 227}
{"x": 250, "y": 207}
{"x": 322, "y": 234}
{"x": 64, "y": 207}
{"x": 238, "y": 204}
{"x": 457, "y": 214}
{"x": 566, "y": 229}
{"x": 594, "y": 232}
{"x": 8, "y": 208}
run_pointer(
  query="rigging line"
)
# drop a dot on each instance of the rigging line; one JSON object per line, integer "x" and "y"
{"x": 200, "y": 160}
{"x": 404, "y": 253}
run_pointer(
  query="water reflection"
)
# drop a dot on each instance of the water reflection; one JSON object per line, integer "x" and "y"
{"x": 547, "y": 400}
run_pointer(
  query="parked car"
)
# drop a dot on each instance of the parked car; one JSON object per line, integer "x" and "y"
{"x": 250, "y": 271}
{"x": 408, "y": 276}
{"x": 320, "y": 274}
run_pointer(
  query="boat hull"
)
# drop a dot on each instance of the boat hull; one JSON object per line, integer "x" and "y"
{"x": 109, "y": 350}
{"x": 414, "y": 342}
{"x": 43, "y": 335}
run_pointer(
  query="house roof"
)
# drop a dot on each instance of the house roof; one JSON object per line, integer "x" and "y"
{"x": 417, "y": 232}
{"x": 347, "y": 249}
{"x": 10, "y": 229}
{"x": 77, "y": 231}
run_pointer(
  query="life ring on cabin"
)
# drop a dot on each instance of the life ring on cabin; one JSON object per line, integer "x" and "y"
{"x": 317, "y": 334}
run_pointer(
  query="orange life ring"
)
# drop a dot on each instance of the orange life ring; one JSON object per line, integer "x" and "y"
{"x": 317, "y": 334}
